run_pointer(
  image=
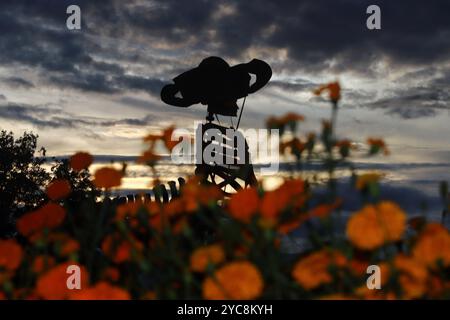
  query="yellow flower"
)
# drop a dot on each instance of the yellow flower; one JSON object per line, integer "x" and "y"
{"x": 312, "y": 271}
{"x": 373, "y": 226}
{"x": 239, "y": 280}
{"x": 212, "y": 254}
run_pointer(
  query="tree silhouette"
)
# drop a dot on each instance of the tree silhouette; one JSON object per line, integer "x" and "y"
{"x": 80, "y": 182}
{"x": 22, "y": 177}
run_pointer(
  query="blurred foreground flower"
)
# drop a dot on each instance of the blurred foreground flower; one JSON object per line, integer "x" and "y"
{"x": 239, "y": 280}
{"x": 11, "y": 254}
{"x": 313, "y": 270}
{"x": 108, "y": 178}
{"x": 58, "y": 189}
{"x": 374, "y": 225}
{"x": 433, "y": 246}
{"x": 49, "y": 216}
{"x": 202, "y": 257}
{"x": 377, "y": 145}
{"x": 52, "y": 285}
{"x": 101, "y": 291}
{"x": 334, "y": 91}
{"x": 81, "y": 161}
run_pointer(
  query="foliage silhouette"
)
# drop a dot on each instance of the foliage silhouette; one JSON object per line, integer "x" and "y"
{"x": 21, "y": 178}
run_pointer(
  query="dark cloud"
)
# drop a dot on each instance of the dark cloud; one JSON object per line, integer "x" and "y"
{"x": 427, "y": 98}
{"x": 294, "y": 86}
{"x": 17, "y": 82}
{"x": 113, "y": 51}
{"x": 44, "y": 116}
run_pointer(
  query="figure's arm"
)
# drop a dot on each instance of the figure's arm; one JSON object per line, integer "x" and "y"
{"x": 168, "y": 96}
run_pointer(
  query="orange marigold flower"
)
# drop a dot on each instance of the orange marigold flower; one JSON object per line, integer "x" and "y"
{"x": 433, "y": 245}
{"x": 373, "y": 226}
{"x": 312, "y": 271}
{"x": 413, "y": 276}
{"x": 167, "y": 138}
{"x": 202, "y": 257}
{"x": 363, "y": 292}
{"x": 129, "y": 209}
{"x": 152, "y": 138}
{"x": 42, "y": 263}
{"x": 291, "y": 117}
{"x": 49, "y": 216}
{"x": 272, "y": 123}
{"x": 69, "y": 247}
{"x": 101, "y": 291}
{"x": 80, "y": 161}
{"x": 273, "y": 203}
{"x": 287, "y": 227}
{"x": 291, "y": 193}
{"x": 58, "y": 189}
{"x": 334, "y": 90}
{"x": 120, "y": 250}
{"x": 111, "y": 274}
{"x": 376, "y": 145}
{"x": 108, "y": 178}
{"x": 324, "y": 210}
{"x": 194, "y": 194}
{"x": 295, "y": 146}
{"x": 358, "y": 267}
{"x": 244, "y": 204}
{"x": 288, "y": 119}
{"x": 11, "y": 254}
{"x": 174, "y": 207}
{"x": 149, "y": 157}
{"x": 240, "y": 280}
{"x": 52, "y": 285}
{"x": 344, "y": 144}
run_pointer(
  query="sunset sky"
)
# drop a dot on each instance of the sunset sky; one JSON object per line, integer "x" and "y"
{"x": 97, "y": 89}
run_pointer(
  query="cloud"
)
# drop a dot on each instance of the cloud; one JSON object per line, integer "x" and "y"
{"x": 317, "y": 35}
{"x": 17, "y": 82}
{"x": 138, "y": 46}
{"x": 46, "y": 116}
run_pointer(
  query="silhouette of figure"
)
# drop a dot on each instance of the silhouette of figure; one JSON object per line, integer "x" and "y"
{"x": 215, "y": 84}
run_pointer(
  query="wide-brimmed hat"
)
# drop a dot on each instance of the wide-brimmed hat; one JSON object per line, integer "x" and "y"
{"x": 216, "y": 84}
